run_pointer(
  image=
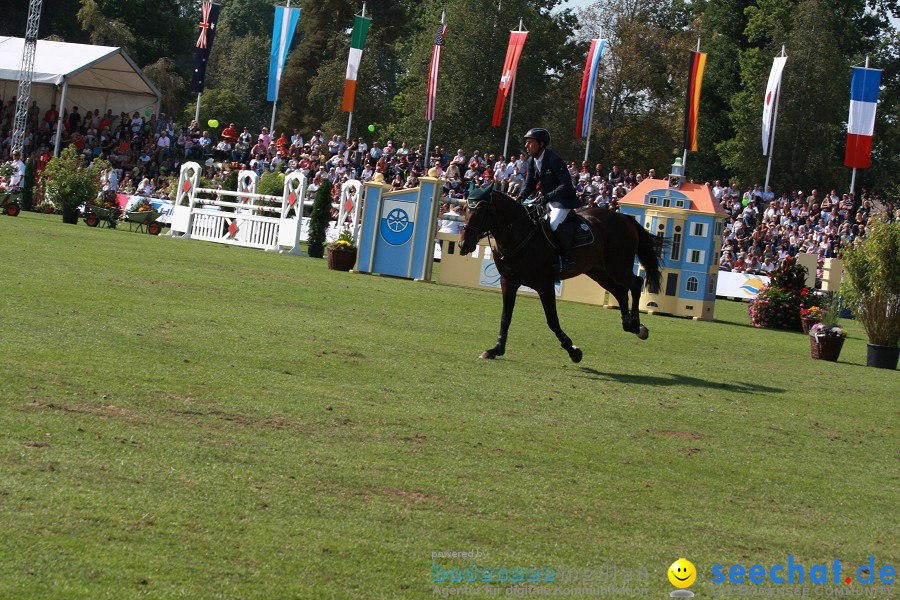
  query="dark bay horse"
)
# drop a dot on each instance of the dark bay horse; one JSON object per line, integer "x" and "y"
{"x": 524, "y": 257}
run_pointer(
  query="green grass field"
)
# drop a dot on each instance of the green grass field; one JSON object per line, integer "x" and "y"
{"x": 184, "y": 419}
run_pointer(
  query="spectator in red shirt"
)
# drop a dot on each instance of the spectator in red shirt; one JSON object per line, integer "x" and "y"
{"x": 229, "y": 134}
{"x": 50, "y": 118}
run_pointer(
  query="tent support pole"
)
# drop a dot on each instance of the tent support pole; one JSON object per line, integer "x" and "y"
{"x": 59, "y": 122}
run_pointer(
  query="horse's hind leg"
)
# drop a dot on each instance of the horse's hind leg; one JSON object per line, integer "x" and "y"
{"x": 508, "y": 290}
{"x": 619, "y": 292}
{"x": 637, "y": 327}
{"x": 548, "y": 301}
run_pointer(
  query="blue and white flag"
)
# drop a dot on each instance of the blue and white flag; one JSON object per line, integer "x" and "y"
{"x": 282, "y": 33}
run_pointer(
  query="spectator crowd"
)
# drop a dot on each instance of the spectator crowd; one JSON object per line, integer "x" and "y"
{"x": 146, "y": 152}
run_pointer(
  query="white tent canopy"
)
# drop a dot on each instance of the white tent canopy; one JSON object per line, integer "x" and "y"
{"x": 89, "y": 77}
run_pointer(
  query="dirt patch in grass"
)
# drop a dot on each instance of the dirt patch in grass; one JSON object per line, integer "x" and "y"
{"x": 681, "y": 435}
{"x": 245, "y": 420}
{"x": 105, "y": 410}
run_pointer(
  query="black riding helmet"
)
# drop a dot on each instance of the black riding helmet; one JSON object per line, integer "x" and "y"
{"x": 538, "y": 133}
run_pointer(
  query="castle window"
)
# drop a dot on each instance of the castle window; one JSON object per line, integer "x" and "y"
{"x": 692, "y": 284}
{"x": 652, "y": 200}
{"x": 666, "y": 202}
{"x": 720, "y": 225}
{"x": 675, "y": 254}
{"x": 696, "y": 257}
{"x": 679, "y": 203}
{"x": 711, "y": 288}
{"x": 699, "y": 230}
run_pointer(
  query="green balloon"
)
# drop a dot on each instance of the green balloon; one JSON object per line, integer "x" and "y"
{"x": 745, "y": 202}
{"x": 148, "y": 112}
{"x": 213, "y": 123}
{"x": 371, "y": 128}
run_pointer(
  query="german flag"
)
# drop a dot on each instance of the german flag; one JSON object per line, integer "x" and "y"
{"x": 692, "y": 104}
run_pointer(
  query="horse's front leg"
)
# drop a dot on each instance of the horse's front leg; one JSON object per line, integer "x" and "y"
{"x": 508, "y": 290}
{"x": 548, "y": 301}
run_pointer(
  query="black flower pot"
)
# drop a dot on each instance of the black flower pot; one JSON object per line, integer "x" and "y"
{"x": 882, "y": 357}
{"x": 316, "y": 251}
{"x": 70, "y": 215}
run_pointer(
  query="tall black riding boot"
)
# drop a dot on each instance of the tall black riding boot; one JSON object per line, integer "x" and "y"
{"x": 564, "y": 239}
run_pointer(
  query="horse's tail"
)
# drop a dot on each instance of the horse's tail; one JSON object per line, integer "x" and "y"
{"x": 649, "y": 252}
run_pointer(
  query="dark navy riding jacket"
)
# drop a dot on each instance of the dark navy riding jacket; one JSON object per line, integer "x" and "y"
{"x": 554, "y": 181}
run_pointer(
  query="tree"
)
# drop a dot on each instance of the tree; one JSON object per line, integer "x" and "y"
{"x": 318, "y": 220}
{"x": 148, "y": 29}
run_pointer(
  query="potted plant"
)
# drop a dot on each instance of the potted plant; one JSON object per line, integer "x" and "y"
{"x": 826, "y": 338}
{"x": 872, "y": 284}
{"x": 779, "y": 303}
{"x": 70, "y": 181}
{"x": 810, "y": 316}
{"x": 318, "y": 220}
{"x": 342, "y": 252}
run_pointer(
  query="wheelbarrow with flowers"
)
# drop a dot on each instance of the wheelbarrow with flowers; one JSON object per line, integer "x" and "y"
{"x": 144, "y": 218}
{"x": 101, "y": 215}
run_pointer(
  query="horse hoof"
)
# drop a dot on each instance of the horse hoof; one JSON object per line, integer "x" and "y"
{"x": 488, "y": 354}
{"x": 643, "y": 333}
{"x": 576, "y": 354}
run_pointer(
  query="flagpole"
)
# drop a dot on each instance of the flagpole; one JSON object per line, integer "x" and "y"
{"x": 512, "y": 97}
{"x": 197, "y": 112}
{"x": 587, "y": 144}
{"x": 772, "y": 134}
{"x": 350, "y": 118}
{"x": 853, "y": 175}
{"x": 428, "y": 136}
{"x": 281, "y": 51}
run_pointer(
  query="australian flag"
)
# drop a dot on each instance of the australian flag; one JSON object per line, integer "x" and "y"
{"x": 209, "y": 18}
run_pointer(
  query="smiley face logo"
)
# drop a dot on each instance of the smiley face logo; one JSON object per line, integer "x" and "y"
{"x": 682, "y": 573}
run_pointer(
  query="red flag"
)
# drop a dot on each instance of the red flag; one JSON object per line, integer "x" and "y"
{"x": 431, "y": 90}
{"x": 513, "y": 52}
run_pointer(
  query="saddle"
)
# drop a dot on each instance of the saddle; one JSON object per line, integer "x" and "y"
{"x": 583, "y": 235}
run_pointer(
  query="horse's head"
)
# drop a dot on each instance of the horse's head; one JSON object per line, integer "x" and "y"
{"x": 478, "y": 218}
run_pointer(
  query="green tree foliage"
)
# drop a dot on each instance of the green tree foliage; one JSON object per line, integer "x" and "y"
{"x": 147, "y": 29}
{"x": 171, "y": 85}
{"x": 638, "y": 112}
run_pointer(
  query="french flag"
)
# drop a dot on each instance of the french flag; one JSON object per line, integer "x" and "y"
{"x": 864, "y": 85}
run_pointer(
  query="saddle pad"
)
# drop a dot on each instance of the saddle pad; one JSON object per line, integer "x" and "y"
{"x": 583, "y": 235}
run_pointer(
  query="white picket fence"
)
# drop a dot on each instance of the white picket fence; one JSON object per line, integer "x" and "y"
{"x": 198, "y": 213}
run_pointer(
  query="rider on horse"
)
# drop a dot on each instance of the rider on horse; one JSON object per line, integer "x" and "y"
{"x": 548, "y": 173}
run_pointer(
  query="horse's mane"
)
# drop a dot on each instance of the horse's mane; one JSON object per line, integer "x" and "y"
{"x": 506, "y": 199}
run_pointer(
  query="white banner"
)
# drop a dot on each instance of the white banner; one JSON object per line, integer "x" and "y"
{"x": 769, "y": 101}
{"x": 740, "y": 285}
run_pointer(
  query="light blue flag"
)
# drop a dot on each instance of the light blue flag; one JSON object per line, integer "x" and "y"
{"x": 282, "y": 33}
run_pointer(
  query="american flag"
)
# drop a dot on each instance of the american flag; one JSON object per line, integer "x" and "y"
{"x": 204, "y": 24}
{"x": 431, "y": 91}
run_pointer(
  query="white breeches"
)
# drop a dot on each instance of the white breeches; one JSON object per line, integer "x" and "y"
{"x": 557, "y": 215}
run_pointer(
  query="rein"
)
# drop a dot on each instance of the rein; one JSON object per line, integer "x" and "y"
{"x": 495, "y": 249}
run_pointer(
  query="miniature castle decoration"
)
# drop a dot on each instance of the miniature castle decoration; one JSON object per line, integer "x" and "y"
{"x": 692, "y": 222}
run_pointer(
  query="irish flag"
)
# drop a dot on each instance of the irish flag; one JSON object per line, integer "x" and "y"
{"x": 864, "y": 85}
{"x": 357, "y": 41}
